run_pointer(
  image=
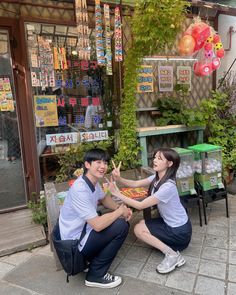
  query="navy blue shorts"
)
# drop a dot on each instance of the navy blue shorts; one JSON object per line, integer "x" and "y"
{"x": 177, "y": 238}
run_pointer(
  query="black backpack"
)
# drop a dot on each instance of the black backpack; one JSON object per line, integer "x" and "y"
{"x": 68, "y": 253}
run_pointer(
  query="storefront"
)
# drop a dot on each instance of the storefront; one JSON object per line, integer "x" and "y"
{"x": 52, "y": 94}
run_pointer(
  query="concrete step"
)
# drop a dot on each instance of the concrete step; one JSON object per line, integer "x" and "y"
{"x": 18, "y": 232}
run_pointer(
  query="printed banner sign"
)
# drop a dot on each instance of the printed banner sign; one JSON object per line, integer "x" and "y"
{"x": 62, "y": 138}
{"x": 145, "y": 79}
{"x": 94, "y": 135}
{"x": 45, "y": 107}
{"x": 165, "y": 74}
{"x": 184, "y": 75}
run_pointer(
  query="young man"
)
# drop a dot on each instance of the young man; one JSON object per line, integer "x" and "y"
{"x": 104, "y": 234}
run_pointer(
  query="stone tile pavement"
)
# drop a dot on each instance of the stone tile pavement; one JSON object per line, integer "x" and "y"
{"x": 210, "y": 268}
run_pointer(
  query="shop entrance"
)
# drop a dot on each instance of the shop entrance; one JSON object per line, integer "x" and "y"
{"x": 12, "y": 186}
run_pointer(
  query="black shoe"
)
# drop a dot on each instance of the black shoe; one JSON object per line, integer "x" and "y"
{"x": 108, "y": 281}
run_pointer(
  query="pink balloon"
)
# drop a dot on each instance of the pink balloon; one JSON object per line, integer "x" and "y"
{"x": 215, "y": 63}
{"x": 220, "y": 53}
{"x": 202, "y": 69}
{"x": 208, "y": 53}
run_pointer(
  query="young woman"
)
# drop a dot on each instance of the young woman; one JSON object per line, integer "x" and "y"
{"x": 171, "y": 232}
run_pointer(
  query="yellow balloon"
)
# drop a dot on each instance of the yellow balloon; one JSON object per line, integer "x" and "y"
{"x": 186, "y": 45}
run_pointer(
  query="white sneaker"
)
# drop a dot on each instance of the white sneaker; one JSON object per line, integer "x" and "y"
{"x": 170, "y": 262}
{"x": 108, "y": 281}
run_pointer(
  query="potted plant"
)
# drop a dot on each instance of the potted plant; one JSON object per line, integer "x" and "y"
{"x": 218, "y": 114}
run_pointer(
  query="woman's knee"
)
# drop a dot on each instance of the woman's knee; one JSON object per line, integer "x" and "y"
{"x": 139, "y": 228}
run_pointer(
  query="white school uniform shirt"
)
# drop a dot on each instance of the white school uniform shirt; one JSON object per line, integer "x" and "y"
{"x": 80, "y": 205}
{"x": 169, "y": 205}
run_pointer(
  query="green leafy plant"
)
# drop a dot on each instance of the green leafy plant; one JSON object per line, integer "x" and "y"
{"x": 217, "y": 115}
{"x": 39, "y": 210}
{"x": 73, "y": 158}
{"x": 155, "y": 25}
{"x": 170, "y": 111}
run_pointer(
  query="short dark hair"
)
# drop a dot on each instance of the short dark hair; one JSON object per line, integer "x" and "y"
{"x": 94, "y": 155}
{"x": 172, "y": 156}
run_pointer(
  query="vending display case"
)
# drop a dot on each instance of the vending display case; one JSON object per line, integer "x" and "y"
{"x": 208, "y": 165}
{"x": 185, "y": 173}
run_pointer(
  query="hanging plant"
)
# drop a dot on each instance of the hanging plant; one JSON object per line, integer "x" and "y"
{"x": 154, "y": 25}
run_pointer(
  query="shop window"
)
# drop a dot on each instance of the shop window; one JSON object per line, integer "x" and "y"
{"x": 72, "y": 97}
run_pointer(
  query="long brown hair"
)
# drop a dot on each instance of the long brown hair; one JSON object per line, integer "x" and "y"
{"x": 172, "y": 156}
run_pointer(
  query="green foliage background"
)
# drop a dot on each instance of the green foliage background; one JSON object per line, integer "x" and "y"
{"x": 155, "y": 25}
{"x": 73, "y": 158}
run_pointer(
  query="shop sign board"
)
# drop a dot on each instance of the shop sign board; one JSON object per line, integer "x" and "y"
{"x": 165, "y": 74}
{"x": 45, "y": 107}
{"x": 94, "y": 135}
{"x": 184, "y": 75}
{"x": 62, "y": 138}
{"x": 145, "y": 79}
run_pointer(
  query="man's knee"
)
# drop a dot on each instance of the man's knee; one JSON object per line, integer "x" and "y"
{"x": 121, "y": 226}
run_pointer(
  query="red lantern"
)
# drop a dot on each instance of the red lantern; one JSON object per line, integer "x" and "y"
{"x": 186, "y": 45}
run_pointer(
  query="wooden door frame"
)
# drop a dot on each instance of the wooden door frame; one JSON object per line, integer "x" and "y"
{"x": 24, "y": 105}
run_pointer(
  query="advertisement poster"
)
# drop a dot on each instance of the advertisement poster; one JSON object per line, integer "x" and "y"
{"x": 6, "y": 97}
{"x": 184, "y": 75}
{"x": 165, "y": 74}
{"x": 145, "y": 79}
{"x": 45, "y": 107}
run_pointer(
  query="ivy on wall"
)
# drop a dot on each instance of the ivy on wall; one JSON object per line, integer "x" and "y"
{"x": 155, "y": 25}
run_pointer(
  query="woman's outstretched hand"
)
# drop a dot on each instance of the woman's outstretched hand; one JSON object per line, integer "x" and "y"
{"x": 116, "y": 171}
{"x": 112, "y": 187}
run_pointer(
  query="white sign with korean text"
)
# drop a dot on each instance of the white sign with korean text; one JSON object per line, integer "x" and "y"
{"x": 165, "y": 74}
{"x": 62, "y": 138}
{"x": 94, "y": 135}
{"x": 184, "y": 75}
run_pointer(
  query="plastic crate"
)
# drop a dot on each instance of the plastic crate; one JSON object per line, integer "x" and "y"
{"x": 185, "y": 173}
{"x": 207, "y": 165}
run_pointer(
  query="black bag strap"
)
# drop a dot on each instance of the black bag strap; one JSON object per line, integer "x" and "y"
{"x": 79, "y": 240}
{"x": 83, "y": 233}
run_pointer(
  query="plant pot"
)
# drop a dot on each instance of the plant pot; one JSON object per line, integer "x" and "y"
{"x": 228, "y": 175}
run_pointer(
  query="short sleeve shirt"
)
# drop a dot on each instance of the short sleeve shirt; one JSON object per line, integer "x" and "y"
{"x": 79, "y": 206}
{"x": 169, "y": 205}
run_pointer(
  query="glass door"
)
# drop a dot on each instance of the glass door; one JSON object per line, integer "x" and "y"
{"x": 12, "y": 186}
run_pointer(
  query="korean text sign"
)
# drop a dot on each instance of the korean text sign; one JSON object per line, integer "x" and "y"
{"x": 145, "y": 79}
{"x": 184, "y": 75}
{"x": 165, "y": 74}
{"x": 45, "y": 110}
